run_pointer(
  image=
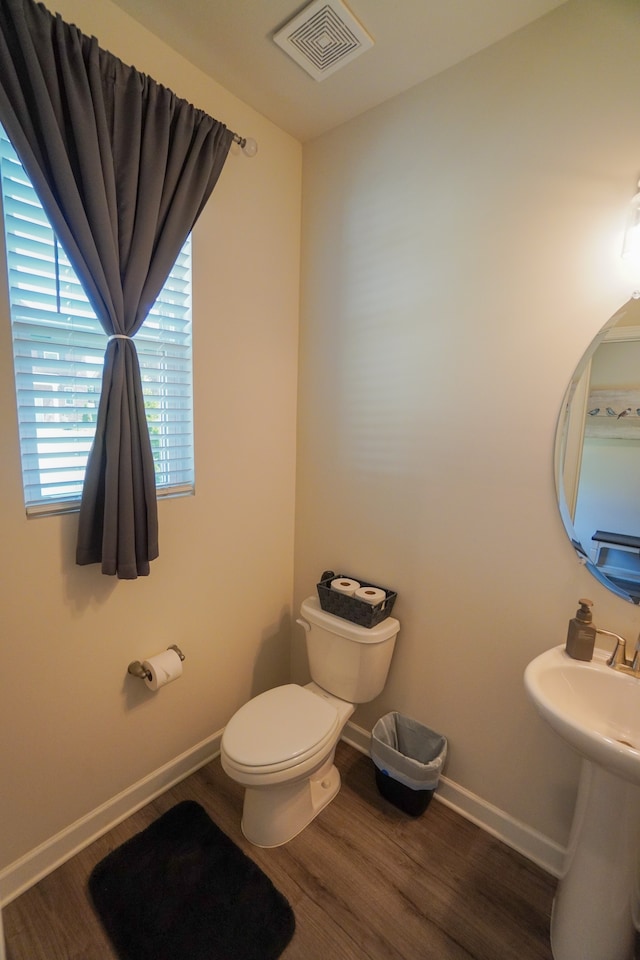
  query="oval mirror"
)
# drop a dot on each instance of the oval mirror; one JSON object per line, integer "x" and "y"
{"x": 597, "y": 462}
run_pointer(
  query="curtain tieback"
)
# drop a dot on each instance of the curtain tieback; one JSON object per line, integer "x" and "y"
{"x": 118, "y": 336}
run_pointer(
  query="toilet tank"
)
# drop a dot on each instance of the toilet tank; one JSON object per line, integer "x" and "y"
{"x": 345, "y": 659}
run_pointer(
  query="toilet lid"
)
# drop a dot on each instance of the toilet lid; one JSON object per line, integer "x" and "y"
{"x": 283, "y": 724}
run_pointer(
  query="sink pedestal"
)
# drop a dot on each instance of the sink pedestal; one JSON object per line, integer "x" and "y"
{"x": 595, "y": 905}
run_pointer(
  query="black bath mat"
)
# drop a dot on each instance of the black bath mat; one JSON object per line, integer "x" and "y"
{"x": 182, "y": 890}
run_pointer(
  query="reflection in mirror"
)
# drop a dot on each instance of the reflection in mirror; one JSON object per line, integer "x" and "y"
{"x": 598, "y": 455}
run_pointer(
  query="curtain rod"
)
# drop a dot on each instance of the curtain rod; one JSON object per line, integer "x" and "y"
{"x": 247, "y": 144}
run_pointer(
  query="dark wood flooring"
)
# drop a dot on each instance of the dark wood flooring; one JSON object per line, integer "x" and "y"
{"x": 365, "y": 880}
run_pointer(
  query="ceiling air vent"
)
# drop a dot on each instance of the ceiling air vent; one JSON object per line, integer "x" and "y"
{"x": 323, "y": 38}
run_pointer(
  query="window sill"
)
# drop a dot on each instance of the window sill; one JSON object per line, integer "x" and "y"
{"x": 61, "y": 507}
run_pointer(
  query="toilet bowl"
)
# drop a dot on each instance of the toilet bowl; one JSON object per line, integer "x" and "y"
{"x": 281, "y": 744}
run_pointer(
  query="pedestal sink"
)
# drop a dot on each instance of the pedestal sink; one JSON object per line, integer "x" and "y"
{"x": 596, "y": 710}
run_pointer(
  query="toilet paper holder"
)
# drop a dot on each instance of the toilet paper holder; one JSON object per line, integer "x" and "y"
{"x": 136, "y": 669}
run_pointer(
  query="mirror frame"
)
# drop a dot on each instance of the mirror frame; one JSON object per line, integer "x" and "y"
{"x": 572, "y": 440}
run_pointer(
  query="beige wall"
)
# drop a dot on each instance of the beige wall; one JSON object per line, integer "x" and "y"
{"x": 74, "y": 729}
{"x": 460, "y": 250}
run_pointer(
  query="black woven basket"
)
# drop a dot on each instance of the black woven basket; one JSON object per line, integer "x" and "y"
{"x": 352, "y": 608}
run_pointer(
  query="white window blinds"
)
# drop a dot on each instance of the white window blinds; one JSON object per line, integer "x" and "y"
{"x": 59, "y": 346}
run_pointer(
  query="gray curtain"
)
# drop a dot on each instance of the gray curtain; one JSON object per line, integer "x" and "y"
{"x": 123, "y": 169}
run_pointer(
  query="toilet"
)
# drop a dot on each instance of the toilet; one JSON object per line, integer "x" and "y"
{"x": 280, "y": 745}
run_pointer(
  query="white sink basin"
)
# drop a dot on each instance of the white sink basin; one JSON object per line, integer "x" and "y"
{"x": 593, "y": 707}
{"x": 596, "y": 710}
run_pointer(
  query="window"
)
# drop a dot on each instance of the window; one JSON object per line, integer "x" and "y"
{"x": 58, "y": 347}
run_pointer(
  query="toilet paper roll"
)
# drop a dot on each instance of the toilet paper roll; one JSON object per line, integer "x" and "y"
{"x": 164, "y": 668}
{"x": 345, "y": 585}
{"x": 371, "y": 595}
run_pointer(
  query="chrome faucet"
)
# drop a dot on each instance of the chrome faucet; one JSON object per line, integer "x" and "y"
{"x": 618, "y": 659}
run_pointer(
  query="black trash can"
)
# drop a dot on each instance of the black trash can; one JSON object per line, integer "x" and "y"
{"x": 408, "y": 758}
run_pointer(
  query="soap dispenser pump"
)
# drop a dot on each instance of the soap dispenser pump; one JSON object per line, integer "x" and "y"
{"x": 581, "y": 635}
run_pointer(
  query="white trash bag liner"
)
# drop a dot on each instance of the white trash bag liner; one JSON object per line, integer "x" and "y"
{"x": 408, "y": 751}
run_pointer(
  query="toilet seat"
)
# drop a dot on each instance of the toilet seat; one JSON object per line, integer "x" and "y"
{"x": 279, "y": 729}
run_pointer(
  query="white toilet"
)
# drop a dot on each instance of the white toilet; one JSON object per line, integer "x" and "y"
{"x": 281, "y": 744}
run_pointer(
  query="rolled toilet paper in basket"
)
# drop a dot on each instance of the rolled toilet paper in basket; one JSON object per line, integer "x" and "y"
{"x": 345, "y": 585}
{"x": 371, "y": 595}
{"x": 164, "y": 668}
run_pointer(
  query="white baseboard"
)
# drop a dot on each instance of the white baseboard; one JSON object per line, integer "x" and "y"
{"x": 531, "y": 844}
{"x": 28, "y": 870}
{"x": 537, "y": 847}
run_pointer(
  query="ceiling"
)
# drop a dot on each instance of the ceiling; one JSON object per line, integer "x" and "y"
{"x": 231, "y": 40}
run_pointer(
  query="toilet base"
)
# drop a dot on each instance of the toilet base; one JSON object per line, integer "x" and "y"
{"x": 275, "y": 814}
